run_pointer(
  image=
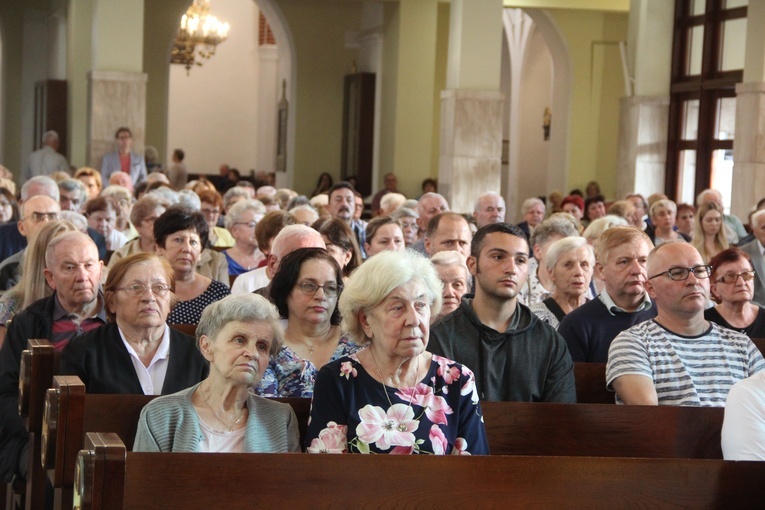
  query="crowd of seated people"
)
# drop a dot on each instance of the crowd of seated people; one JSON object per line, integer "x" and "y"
{"x": 397, "y": 326}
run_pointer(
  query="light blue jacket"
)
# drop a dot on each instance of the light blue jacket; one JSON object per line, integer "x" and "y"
{"x": 111, "y": 165}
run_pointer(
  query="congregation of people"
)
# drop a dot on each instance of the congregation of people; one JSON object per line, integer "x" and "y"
{"x": 397, "y": 316}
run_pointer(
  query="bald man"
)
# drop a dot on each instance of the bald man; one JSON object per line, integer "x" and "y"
{"x": 678, "y": 358}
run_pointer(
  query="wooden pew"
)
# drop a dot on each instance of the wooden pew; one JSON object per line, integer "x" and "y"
{"x": 591, "y": 384}
{"x": 70, "y": 412}
{"x": 189, "y": 329}
{"x": 38, "y": 364}
{"x": 110, "y": 477}
{"x": 597, "y": 430}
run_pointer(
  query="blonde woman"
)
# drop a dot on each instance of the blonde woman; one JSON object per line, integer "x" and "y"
{"x": 709, "y": 232}
{"x": 32, "y": 285}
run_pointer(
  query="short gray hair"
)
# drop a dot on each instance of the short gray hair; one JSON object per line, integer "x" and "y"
{"x": 451, "y": 258}
{"x": 600, "y": 225}
{"x": 240, "y": 308}
{"x": 115, "y": 190}
{"x": 189, "y": 200}
{"x": 239, "y": 208}
{"x": 70, "y": 185}
{"x": 404, "y": 212}
{"x": 49, "y": 135}
{"x": 232, "y": 193}
{"x": 49, "y": 184}
{"x": 565, "y": 245}
{"x": 50, "y": 251}
{"x": 552, "y": 227}
{"x": 392, "y": 201}
{"x": 529, "y": 203}
{"x": 379, "y": 276}
{"x": 756, "y": 215}
{"x": 484, "y": 195}
{"x": 703, "y": 195}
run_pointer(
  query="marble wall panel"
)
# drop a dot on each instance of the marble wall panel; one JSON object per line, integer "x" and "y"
{"x": 114, "y": 99}
{"x": 642, "y": 145}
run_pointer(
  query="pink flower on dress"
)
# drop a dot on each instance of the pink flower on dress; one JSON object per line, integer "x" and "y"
{"x": 333, "y": 439}
{"x": 435, "y": 406}
{"x": 448, "y": 373}
{"x": 438, "y": 440}
{"x": 392, "y": 428}
{"x": 347, "y": 370}
{"x": 460, "y": 447}
{"x": 402, "y": 450}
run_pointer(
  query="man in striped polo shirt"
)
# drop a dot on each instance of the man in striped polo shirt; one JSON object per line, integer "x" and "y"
{"x": 679, "y": 358}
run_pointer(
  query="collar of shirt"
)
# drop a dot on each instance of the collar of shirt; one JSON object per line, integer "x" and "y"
{"x": 163, "y": 350}
{"x": 59, "y": 312}
{"x": 613, "y": 309}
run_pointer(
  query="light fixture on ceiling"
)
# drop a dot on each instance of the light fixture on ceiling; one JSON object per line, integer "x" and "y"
{"x": 200, "y": 32}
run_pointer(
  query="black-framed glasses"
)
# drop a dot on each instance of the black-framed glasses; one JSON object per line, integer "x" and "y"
{"x": 209, "y": 212}
{"x": 680, "y": 274}
{"x": 138, "y": 290}
{"x": 733, "y": 277}
{"x": 310, "y": 288}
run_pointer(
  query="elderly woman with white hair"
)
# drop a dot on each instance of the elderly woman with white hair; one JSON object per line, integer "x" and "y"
{"x": 663, "y": 214}
{"x": 569, "y": 262}
{"x": 237, "y": 336}
{"x": 241, "y": 221}
{"x": 394, "y": 396}
{"x": 455, "y": 276}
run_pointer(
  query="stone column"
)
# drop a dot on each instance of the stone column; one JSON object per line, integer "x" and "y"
{"x": 748, "y": 149}
{"x": 115, "y": 99}
{"x": 471, "y": 108}
{"x": 642, "y": 145}
{"x": 749, "y": 145}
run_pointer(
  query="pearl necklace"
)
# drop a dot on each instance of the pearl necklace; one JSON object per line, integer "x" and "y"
{"x": 230, "y": 427}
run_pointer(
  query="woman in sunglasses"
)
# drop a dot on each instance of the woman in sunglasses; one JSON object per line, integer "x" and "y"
{"x": 305, "y": 290}
{"x": 732, "y": 287}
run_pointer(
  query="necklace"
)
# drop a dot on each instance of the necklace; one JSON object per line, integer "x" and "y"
{"x": 230, "y": 427}
{"x": 382, "y": 379}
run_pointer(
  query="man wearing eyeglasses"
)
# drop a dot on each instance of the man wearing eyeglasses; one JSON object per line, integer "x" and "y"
{"x": 36, "y": 213}
{"x": 678, "y": 358}
{"x": 73, "y": 271}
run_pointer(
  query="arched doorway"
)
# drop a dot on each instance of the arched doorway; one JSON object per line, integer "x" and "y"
{"x": 536, "y": 76}
{"x": 225, "y": 111}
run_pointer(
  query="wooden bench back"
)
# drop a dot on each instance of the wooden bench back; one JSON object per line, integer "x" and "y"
{"x": 597, "y": 430}
{"x": 591, "y": 384}
{"x": 113, "y": 478}
{"x": 70, "y": 412}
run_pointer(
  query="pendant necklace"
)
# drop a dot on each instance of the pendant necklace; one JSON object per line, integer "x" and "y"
{"x": 382, "y": 379}
{"x": 230, "y": 427}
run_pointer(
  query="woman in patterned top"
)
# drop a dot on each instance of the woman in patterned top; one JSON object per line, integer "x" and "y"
{"x": 394, "y": 396}
{"x": 181, "y": 234}
{"x": 305, "y": 290}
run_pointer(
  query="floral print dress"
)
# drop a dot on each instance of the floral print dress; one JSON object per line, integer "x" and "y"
{"x": 353, "y": 412}
{"x": 289, "y": 375}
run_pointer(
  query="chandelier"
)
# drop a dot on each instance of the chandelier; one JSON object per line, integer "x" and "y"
{"x": 200, "y": 32}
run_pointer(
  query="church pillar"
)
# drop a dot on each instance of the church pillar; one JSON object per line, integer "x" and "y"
{"x": 644, "y": 115}
{"x": 749, "y": 145}
{"x": 471, "y": 105}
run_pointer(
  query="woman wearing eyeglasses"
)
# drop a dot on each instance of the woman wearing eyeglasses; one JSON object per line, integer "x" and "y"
{"x": 732, "y": 287}
{"x": 241, "y": 220}
{"x": 136, "y": 352}
{"x": 306, "y": 290}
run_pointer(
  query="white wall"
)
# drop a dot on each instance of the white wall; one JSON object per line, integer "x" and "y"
{"x": 214, "y": 112}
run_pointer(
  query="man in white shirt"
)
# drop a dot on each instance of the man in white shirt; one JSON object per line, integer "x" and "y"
{"x": 46, "y": 160}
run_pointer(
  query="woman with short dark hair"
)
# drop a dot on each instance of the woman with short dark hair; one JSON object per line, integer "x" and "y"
{"x": 181, "y": 235}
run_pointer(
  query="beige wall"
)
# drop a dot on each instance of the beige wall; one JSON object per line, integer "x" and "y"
{"x": 597, "y": 86}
